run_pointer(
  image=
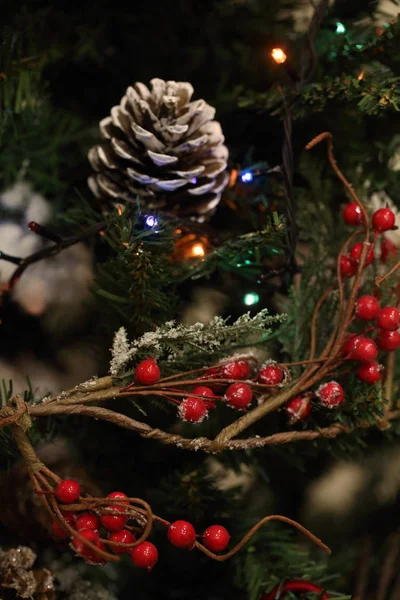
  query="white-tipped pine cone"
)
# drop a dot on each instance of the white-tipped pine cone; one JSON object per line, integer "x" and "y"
{"x": 162, "y": 149}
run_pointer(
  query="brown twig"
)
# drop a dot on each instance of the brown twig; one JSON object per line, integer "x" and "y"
{"x": 381, "y": 278}
{"x": 389, "y": 566}
{"x": 363, "y": 570}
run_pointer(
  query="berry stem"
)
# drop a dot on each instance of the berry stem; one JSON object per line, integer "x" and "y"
{"x": 381, "y": 278}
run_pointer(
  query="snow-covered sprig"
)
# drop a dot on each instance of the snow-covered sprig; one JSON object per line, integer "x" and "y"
{"x": 174, "y": 342}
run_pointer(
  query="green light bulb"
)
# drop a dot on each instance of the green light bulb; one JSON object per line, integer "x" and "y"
{"x": 251, "y": 298}
{"x": 340, "y": 28}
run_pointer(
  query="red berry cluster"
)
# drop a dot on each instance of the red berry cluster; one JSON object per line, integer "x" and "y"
{"x": 330, "y": 394}
{"x": 119, "y": 537}
{"x": 382, "y": 220}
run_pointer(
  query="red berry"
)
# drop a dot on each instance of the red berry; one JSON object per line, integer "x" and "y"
{"x": 122, "y": 537}
{"x": 369, "y": 372}
{"x": 120, "y": 496}
{"x": 387, "y": 249}
{"x": 238, "y": 395}
{"x": 87, "y": 521}
{"x": 364, "y": 350}
{"x": 383, "y": 220}
{"x": 298, "y": 409}
{"x": 80, "y": 548}
{"x": 331, "y": 394}
{"x": 67, "y": 491}
{"x": 147, "y": 372}
{"x": 347, "y": 266}
{"x": 59, "y": 531}
{"x": 145, "y": 555}
{"x": 389, "y": 318}
{"x": 356, "y": 250}
{"x": 367, "y": 308}
{"x": 114, "y": 522}
{"x": 352, "y": 214}
{"x": 231, "y": 371}
{"x": 388, "y": 340}
{"x": 244, "y": 368}
{"x": 182, "y": 534}
{"x": 193, "y": 410}
{"x": 95, "y": 559}
{"x": 216, "y": 538}
{"x": 203, "y": 390}
{"x": 270, "y": 375}
{"x": 351, "y": 342}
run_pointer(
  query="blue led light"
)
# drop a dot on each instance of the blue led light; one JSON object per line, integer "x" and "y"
{"x": 151, "y": 221}
{"x": 247, "y": 177}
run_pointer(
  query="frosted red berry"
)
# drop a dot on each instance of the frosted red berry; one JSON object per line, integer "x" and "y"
{"x": 147, "y": 372}
{"x": 120, "y": 496}
{"x": 114, "y": 522}
{"x": 389, "y": 318}
{"x": 364, "y": 350}
{"x": 216, "y": 538}
{"x": 331, "y": 394}
{"x": 383, "y": 220}
{"x": 238, "y": 395}
{"x": 122, "y": 537}
{"x": 87, "y": 521}
{"x": 182, "y": 534}
{"x": 193, "y": 410}
{"x": 80, "y": 548}
{"x": 231, "y": 371}
{"x": 388, "y": 340}
{"x": 387, "y": 249}
{"x": 356, "y": 250}
{"x": 270, "y": 375}
{"x": 367, "y": 308}
{"x": 244, "y": 368}
{"x": 67, "y": 491}
{"x": 298, "y": 409}
{"x": 59, "y": 531}
{"x": 370, "y": 372}
{"x": 347, "y": 266}
{"x": 145, "y": 555}
{"x": 352, "y": 214}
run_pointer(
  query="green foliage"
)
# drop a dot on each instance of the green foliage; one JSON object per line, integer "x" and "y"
{"x": 183, "y": 347}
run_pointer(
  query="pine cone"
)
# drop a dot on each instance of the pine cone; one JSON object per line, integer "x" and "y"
{"x": 162, "y": 149}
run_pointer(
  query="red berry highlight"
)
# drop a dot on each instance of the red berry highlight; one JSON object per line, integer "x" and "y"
{"x": 383, "y": 220}
{"x": 270, "y": 375}
{"x": 193, "y": 410}
{"x": 145, "y": 555}
{"x": 331, "y": 394}
{"x": 147, "y": 372}
{"x": 365, "y": 350}
{"x": 352, "y": 214}
{"x": 351, "y": 342}
{"x": 59, "y": 531}
{"x": 388, "y": 340}
{"x": 356, "y": 250}
{"x": 347, "y": 266}
{"x": 182, "y": 534}
{"x": 67, "y": 491}
{"x": 203, "y": 390}
{"x": 238, "y": 395}
{"x": 367, "y": 308}
{"x": 87, "y": 521}
{"x": 370, "y": 372}
{"x": 216, "y": 538}
{"x": 114, "y": 522}
{"x": 298, "y": 409}
{"x": 389, "y": 318}
{"x": 121, "y": 537}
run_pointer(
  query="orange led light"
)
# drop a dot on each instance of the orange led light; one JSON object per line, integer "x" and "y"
{"x": 198, "y": 250}
{"x": 279, "y": 56}
{"x": 361, "y": 75}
